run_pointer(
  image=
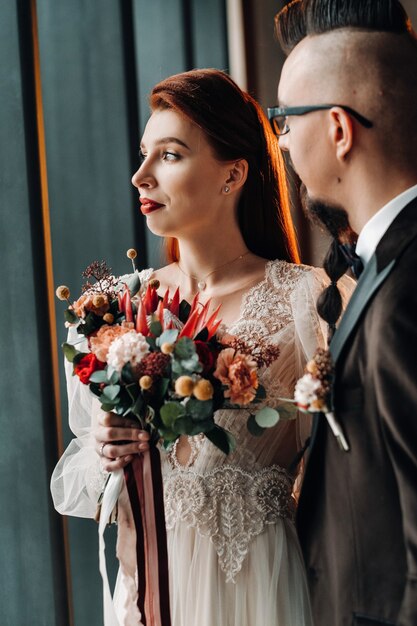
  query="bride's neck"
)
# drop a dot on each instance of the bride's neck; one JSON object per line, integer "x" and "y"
{"x": 211, "y": 259}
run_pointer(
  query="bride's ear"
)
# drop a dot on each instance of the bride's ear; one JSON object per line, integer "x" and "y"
{"x": 238, "y": 175}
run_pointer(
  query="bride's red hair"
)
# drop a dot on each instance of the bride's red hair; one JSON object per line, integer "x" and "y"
{"x": 237, "y": 128}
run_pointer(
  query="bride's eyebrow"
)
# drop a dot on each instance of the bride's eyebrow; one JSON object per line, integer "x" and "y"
{"x": 164, "y": 140}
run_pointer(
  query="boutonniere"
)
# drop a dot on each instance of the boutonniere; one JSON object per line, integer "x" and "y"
{"x": 313, "y": 392}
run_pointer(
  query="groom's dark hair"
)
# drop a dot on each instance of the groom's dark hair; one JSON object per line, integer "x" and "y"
{"x": 301, "y": 18}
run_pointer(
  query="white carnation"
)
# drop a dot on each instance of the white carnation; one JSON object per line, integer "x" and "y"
{"x": 128, "y": 348}
{"x": 305, "y": 390}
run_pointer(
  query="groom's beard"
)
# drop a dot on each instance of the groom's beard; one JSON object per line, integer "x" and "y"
{"x": 334, "y": 218}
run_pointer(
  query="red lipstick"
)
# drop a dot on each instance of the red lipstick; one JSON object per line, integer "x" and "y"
{"x": 149, "y": 206}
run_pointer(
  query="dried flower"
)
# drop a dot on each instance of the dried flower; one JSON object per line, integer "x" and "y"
{"x": 99, "y": 301}
{"x": 145, "y": 382}
{"x": 62, "y": 292}
{"x": 238, "y": 372}
{"x": 85, "y": 304}
{"x": 203, "y": 390}
{"x": 154, "y": 283}
{"x": 154, "y": 365}
{"x": 108, "y": 318}
{"x": 131, "y": 253}
{"x": 306, "y": 389}
{"x": 184, "y": 386}
{"x": 260, "y": 351}
{"x": 128, "y": 348}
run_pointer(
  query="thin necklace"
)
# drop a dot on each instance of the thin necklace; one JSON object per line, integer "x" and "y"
{"x": 201, "y": 282}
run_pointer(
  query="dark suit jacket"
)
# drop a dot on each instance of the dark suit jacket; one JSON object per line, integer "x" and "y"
{"x": 357, "y": 515}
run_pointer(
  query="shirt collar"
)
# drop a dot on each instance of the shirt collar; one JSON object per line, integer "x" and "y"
{"x": 373, "y": 231}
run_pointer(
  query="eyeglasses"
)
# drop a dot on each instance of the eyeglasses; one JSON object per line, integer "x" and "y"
{"x": 278, "y": 116}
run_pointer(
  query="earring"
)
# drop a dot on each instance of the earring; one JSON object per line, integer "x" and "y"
{"x": 226, "y": 189}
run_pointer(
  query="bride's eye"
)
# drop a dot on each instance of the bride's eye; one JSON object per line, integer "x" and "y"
{"x": 142, "y": 156}
{"x": 167, "y": 155}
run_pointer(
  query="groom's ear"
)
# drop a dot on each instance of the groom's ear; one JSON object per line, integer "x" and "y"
{"x": 341, "y": 132}
{"x": 237, "y": 174}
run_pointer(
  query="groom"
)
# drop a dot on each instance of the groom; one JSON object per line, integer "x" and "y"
{"x": 357, "y": 157}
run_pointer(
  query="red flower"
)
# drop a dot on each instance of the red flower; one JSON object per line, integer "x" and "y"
{"x": 207, "y": 357}
{"x": 86, "y": 366}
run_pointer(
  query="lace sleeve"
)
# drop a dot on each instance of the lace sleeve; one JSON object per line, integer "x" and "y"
{"x": 310, "y": 329}
{"x": 78, "y": 479}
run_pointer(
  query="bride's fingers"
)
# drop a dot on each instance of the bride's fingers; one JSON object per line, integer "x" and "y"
{"x": 111, "y": 451}
{"x": 112, "y": 419}
{"x": 114, "y": 433}
{"x": 111, "y": 465}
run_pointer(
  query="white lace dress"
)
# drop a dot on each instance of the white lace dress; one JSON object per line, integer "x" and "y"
{"x": 234, "y": 558}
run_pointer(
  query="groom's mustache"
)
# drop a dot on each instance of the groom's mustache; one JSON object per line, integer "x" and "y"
{"x": 333, "y": 217}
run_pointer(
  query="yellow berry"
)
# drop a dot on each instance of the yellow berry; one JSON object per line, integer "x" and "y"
{"x": 184, "y": 386}
{"x": 145, "y": 382}
{"x": 167, "y": 348}
{"x": 154, "y": 283}
{"x": 108, "y": 318}
{"x": 99, "y": 301}
{"x": 131, "y": 253}
{"x": 203, "y": 390}
{"x": 62, "y": 292}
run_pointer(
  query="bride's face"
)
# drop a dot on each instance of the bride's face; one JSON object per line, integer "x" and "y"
{"x": 180, "y": 182}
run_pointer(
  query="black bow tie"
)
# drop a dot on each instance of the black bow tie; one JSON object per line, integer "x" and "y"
{"x": 348, "y": 251}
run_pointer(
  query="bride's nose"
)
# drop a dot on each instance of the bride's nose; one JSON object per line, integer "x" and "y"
{"x": 143, "y": 177}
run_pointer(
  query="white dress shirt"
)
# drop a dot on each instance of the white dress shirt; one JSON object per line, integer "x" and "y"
{"x": 373, "y": 231}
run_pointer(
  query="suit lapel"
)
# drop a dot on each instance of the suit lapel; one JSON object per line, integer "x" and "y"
{"x": 368, "y": 283}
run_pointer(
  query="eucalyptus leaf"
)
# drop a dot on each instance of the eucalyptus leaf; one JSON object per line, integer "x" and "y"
{"x": 183, "y": 425}
{"x": 133, "y": 391}
{"x": 100, "y": 376}
{"x": 222, "y": 439}
{"x": 70, "y": 351}
{"x": 191, "y": 365}
{"x": 185, "y": 348}
{"x": 107, "y": 406}
{"x": 199, "y": 410}
{"x": 253, "y": 427}
{"x": 70, "y": 316}
{"x": 267, "y": 417}
{"x": 151, "y": 341}
{"x": 156, "y": 328}
{"x": 168, "y": 438}
{"x": 111, "y": 391}
{"x": 290, "y": 411}
{"x": 168, "y": 336}
{"x": 133, "y": 283}
{"x": 170, "y": 412}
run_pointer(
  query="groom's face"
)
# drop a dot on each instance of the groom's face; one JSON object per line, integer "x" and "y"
{"x": 308, "y": 141}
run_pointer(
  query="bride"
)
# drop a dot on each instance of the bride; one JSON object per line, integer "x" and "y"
{"x": 212, "y": 184}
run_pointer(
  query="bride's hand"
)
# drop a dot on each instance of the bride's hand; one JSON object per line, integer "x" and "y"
{"x": 112, "y": 429}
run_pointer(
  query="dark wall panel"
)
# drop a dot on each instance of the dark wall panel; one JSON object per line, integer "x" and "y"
{"x": 160, "y": 38}
{"x": 30, "y": 585}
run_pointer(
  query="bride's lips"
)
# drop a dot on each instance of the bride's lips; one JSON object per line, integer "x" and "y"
{"x": 149, "y": 206}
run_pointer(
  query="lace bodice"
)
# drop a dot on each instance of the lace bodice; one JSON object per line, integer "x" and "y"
{"x": 232, "y": 498}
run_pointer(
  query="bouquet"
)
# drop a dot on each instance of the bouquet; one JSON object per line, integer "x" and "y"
{"x": 159, "y": 360}
{"x": 313, "y": 392}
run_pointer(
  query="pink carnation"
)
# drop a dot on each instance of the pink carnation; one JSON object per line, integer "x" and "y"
{"x": 238, "y": 372}
{"x": 105, "y": 336}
